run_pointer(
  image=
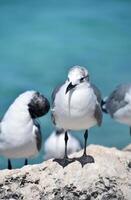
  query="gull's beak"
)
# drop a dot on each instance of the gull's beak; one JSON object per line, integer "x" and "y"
{"x": 69, "y": 87}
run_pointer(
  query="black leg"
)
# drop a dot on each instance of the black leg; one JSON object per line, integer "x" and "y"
{"x": 85, "y": 137}
{"x": 9, "y": 164}
{"x": 26, "y": 161}
{"x": 66, "y": 140}
{"x": 65, "y": 161}
{"x": 84, "y": 159}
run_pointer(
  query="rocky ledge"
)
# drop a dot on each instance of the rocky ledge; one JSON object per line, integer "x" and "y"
{"x": 109, "y": 178}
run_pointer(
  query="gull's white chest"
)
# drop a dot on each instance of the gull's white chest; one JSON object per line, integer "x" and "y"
{"x": 78, "y": 101}
{"x": 75, "y": 110}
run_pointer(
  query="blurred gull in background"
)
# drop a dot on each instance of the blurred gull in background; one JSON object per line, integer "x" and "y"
{"x": 54, "y": 146}
{"x": 118, "y": 104}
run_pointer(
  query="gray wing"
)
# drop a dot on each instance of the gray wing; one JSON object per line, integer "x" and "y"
{"x": 97, "y": 93}
{"x": 53, "y": 102}
{"x": 38, "y": 135}
{"x": 54, "y": 94}
{"x": 98, "y": 112}
{"x": 117, "y": 99}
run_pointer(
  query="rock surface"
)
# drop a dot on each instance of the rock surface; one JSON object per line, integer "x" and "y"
{"x": 109, "y": 178}
{"x": 127, "y": 148}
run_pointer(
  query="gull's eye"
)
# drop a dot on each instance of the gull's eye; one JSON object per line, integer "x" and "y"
{"x": 82, "y": 79}
{"x": 68, "y": 79}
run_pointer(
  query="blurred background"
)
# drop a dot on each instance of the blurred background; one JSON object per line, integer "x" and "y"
{"x": 40, "y": 41}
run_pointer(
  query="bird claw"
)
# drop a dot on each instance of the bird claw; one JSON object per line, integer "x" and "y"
{"x": 85, "y": 159}
{"x": 64, "y": 161}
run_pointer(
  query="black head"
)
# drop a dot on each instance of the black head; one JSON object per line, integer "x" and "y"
{"x": 38, "y": 106}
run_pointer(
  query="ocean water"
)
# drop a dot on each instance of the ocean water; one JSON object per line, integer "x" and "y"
{"x": 41, "y": 40}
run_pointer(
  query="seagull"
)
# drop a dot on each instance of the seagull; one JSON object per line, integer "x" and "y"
{"x": 118, "y": 104}
{"x": 76, "y": 105}
{"x": 54, "y": 145}
{"x": 20, "y": 133}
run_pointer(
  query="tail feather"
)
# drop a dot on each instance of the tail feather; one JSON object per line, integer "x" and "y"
{"x": 59, "y": 131}
{"x": 103, "y": 105}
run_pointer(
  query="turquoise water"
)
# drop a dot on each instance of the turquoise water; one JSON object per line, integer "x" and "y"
{"x": 41, "y": 40}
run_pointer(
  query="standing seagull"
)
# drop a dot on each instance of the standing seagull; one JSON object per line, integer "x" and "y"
{"x": 54, "y": 145}
{"x": 20, "y": 134}
{"x": 118, "y": 104}
{"x": 76, "y": 106}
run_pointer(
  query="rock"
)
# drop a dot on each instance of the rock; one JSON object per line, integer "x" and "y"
{"x": 127, "y": 148}
{"x": 109, "y": 178}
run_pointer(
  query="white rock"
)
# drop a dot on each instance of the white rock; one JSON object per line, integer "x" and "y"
{"x": 108, "y": 178}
